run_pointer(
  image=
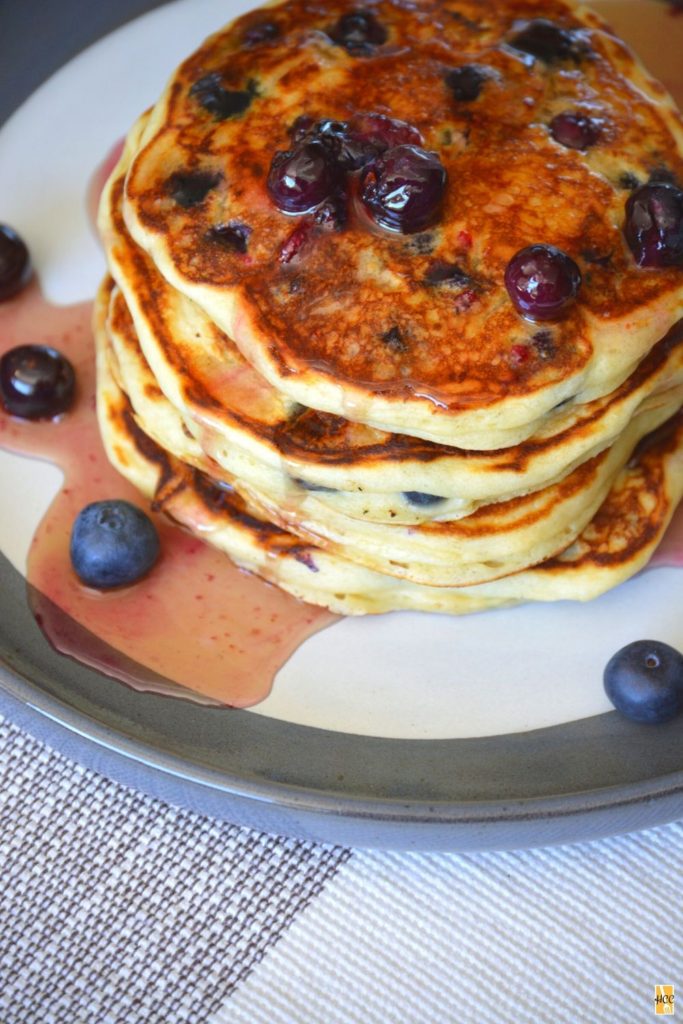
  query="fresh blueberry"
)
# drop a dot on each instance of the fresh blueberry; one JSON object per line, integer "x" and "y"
{"x": 654, "y": 225}
{"x": 36, "y": 382}
{"x": 575, "y": 131}
{"x": 359, "y": 32}
{"x": 421, "y": 499}
{"x": 15, "y": 264}
{"x": 403, "y": 189}
{"x": 113, "y": 544}
{"x": 644, "y": 681}
{"x": 542, "y": 281}
{"x": 302, "y": 178}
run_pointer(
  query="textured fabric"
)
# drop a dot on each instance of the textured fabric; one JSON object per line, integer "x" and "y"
{"x": 568, "y": 935}
{"x": 116, "y": 909}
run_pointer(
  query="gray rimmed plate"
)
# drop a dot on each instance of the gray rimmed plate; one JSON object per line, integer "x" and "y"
{"x": 430, "y": 780}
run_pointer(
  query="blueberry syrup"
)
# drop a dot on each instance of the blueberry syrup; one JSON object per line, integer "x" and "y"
{"x": 196, "y": 626}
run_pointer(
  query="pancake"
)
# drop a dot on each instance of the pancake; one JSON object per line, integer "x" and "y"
{"x": 498, "y": 539}
{"x": 616, "y": 544}
{"x": 362, "y": 323}
{"x": 325, "y": 466}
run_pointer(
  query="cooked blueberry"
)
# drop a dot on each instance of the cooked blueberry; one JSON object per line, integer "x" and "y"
{"x": 192, "y": 187}
{"x": 333, "y": 212}
{"x": 575, "y": 131}
{"x": 644, "y": 681}
{"x": 232, "y": 236}
{"x": 548, "y": 42}
{"x": 263, "y": 32}
{"x": 628, "y": 181}
{"x": 596, "y": 257}
{"x": 663, "y": 174}
{"x": 393, "y": 339}
{"x": 113, "y": 543}
{"x": 312, "y": 487}
{"x": 421, "y": 499}
{"x": 359, "y": 32}
{"x": 544, "y": 344}
{"x": 15, "y": 264}
{"x": 219, "y": 101}
{"x": 654, "y": 225}
{"x": 300, "y": 179}
{"x": 301, "y": 128}
{"x": 467, "y": 82}
{"x": 36, "y": 382}
{"x": 403, "y": 189}
{"x": 542, "y": 281}
{"x": 371, "y": 134}
{"x": 448, "y": 275}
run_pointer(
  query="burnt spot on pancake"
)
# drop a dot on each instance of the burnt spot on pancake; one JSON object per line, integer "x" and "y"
{"x": 421, "y": 499}
{"x": 543, "y": 40}
{"x": 261, "y": 32}
{"x": 216, "y": 494}
{"x": 394, "y": 340}
{"x": 544, "y": 344}
{"x": 222, "y": 103}
{"x": 628, "y": 181}
{"x": 190, "y": 188}
{"x": 359, "y": 32}
{"x": 233, "y": 236}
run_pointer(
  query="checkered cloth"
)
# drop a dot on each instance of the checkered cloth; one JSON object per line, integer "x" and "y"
{"x": 118, "y": 909}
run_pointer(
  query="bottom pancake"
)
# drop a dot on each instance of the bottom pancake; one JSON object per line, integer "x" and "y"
{"x": 617, "y": 543}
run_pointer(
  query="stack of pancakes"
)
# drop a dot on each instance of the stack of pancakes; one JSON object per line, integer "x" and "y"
{"x": 338, "y": 410}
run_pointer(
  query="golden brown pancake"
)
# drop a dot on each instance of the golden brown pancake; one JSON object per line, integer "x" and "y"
{"x": 357, "y": 322}
{"x": 616, "y": 544}
{"x": 297, "y": 455}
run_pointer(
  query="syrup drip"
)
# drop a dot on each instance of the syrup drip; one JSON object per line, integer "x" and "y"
{"x": 196, "y": 626}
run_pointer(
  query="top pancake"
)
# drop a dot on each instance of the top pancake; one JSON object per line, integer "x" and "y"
{"x": 323, "y": 326}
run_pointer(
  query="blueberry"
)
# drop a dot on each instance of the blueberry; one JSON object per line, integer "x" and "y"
{"x": 542, "y": 281}
{"x": 421, "y": 499}
{"x": 36, "y": 382}
{"x": 262, "y": 32}
{"x": 644, "y": 681}
{"x": 359, "y": 32}
{"x": 15, "y": 264}
{"x": 232, "y": 236}
{"x": 654, "y": 225}
{"x": 466, "y": 82}
{"x": 545, "y": 41}
{"x": 113, "y": 544}
{"x": 575, "y": 131}
{"x": 190, "y": 189}
{"x": 403, "y": 189}
{"x": 302, "y": 178}
{"x": 223, "y": 103}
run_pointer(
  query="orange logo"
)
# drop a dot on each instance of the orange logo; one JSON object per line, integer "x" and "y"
{"x": 664, "y": 1000}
